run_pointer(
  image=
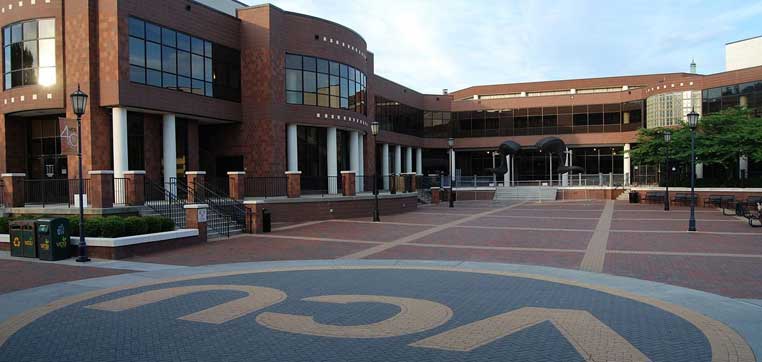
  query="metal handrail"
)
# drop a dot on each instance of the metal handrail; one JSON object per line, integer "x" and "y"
{"x": 219, "y": 222}
{"x": 221, "y": 203}
{"x": 169, "y": 205}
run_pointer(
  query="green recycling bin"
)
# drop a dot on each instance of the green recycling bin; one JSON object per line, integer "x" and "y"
{"x": 23, "y": 243}
{"x": 53, "y": 238}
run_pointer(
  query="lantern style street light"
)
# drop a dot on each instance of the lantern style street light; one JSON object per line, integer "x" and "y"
{"x": 693, "y": 118}
{"x": 376, "y": 217}
{"x": 78, "y": 103}
{"x": 451, "y": 144}
{"x": 667, "y": 140}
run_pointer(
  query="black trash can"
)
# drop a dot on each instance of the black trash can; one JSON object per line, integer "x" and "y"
{"x": 23, "y": 242}
{"x": 266, "y": 221}
{"x": 634, "y": 197}
{"x": 53, "y": 238}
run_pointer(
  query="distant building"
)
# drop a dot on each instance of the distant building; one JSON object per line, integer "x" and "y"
{"x": 744, "y": 53}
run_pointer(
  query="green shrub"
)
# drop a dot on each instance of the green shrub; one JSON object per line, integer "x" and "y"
{"x": 153, "y": 223}
{"x": 74, "y": 225}
{"x": 4, "y": 225}
{"x": 93, "y": 227}
{"x": 113, "y": 227}
{"x": 167, "y": 224}
{"x": 135, "y": 225}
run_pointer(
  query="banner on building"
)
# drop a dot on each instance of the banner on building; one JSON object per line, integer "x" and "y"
{"x": 68, "y": 134}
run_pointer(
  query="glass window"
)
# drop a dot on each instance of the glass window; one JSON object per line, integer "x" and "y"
{"x": 208, "y": 49}
{"x": 293, "y": 80}
{"x": 197, "y": 46}
{"x": 322, "y": 83}
{"x": 322, "y": 66}
{"x": 197, "y": 66}
{"x": 309, "y": 63}
{"x": 183, "y": 42}
{"x": 310, "y": 82}
{"x": 169, "y": 60}
{"x": 208, "y": 76}
{"x": 334, "y": 68}
{"x": 153, "y": 33}
{"x": 153, "y": 56}
{"x": 310, "y": 99}
{"x": 293, "y": 61}
{"x": 197, "y": 86}
{"x": 137, "y": 74}
{"x": 183, "y": 63}
{"x": 29, "y": 53}
{"x": 184, "y": 84}
{"x": 153, "y": 78}
{"x": 294, "y": 97}
{"x": 170, "y": 81}
{"x": 137, "y": 52}
{"x": 137, "y": 27}
{"x": 168, "y": 37}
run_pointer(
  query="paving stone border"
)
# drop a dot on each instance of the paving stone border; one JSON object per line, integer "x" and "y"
{"x": 734, "y": 328}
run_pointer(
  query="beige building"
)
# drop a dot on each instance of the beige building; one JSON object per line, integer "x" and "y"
{"x": 744, "y": 53}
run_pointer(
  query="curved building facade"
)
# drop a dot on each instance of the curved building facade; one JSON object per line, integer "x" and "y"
{"x": 218, "y": 86}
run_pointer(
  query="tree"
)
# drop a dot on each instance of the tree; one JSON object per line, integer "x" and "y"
{"x": 721, "y": 138}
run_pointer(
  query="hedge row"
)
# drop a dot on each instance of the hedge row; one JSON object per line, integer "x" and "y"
{"x": 111, "y": 226}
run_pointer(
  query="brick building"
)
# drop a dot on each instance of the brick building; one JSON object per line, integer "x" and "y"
{"x": 214, "y": 85}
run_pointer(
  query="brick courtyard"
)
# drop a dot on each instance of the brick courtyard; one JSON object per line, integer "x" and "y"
{"x": 639, "y": 241}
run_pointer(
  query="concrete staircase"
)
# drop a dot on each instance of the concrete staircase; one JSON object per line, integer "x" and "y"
{"x": 624, "y": 195}
{"x": 526, "y": 193}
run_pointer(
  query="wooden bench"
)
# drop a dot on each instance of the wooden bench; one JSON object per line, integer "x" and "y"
{"x": 750, "y": 213}
{"x": 655, "y": 196}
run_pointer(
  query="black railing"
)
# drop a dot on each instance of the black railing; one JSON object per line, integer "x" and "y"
{"x": 224, "y": 210}
{"x": 321, "y": 185}
{"x": 57, "y": 192}
{"x": 220, "y": 185}
{"x": 120, "y": 190}
{"x": 165, "y": 203}
{"x": 2, "y": 193}
{"x": 266, "y": 186}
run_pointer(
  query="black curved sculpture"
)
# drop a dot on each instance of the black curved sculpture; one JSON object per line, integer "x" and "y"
{"x": 505, "y": 148}
{"x": 554, "y": 145}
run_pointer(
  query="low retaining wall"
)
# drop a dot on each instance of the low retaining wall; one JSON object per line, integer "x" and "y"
{"x": 701, "y": 193}
{"x": 588, "y": 193}
{"x": 128, "y": 246}
{"x": 312, "y": 209}
{"x": 468, "y": 194}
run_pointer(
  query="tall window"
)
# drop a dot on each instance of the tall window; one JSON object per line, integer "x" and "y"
{"x": 29, "y": 53}
{"x": 166, "y": 58}
{"x": 324, "y": 83}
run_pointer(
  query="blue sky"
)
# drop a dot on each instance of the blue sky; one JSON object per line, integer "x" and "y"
{"x": 428, "y": 45}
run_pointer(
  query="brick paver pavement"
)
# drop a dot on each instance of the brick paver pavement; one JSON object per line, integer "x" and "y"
{"x": 20, "y": 274}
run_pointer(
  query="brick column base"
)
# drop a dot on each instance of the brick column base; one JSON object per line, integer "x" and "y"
{"x": 436, "y": 196}
{"x": 348, "y": 187}
{"x": 195, "y": 177}
{"x": 134, "y": 193}
{"x": 13, "y": 189}
{"x": 413, "y": 186}
{"x": 196, "y": 218}
{"x": 294, "y": 184}
{"x": 237, "y": 185}
{"x": 253, "y": 219}
{"x": 101, "y": 193}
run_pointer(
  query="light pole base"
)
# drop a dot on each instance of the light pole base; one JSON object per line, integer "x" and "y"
{"x": 376, "y": 218}
{"x": 692, "y": 225}
{"x": 82, "y": 259}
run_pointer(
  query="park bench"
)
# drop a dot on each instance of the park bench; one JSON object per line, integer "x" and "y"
{"x": 753, "y": 200}
{"x": 682, "y": 198}
{"x": 655, "y": 196}
{"x": 719, "y": 200}
{"x": 751, "y": 213}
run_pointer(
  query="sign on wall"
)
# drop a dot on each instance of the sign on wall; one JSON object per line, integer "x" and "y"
{"x": 68, "y": 134}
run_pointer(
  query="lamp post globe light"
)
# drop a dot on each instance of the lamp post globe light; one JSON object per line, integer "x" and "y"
{"x": 667, "y": 140}
{"x": 78, "y": 103}
{"x": 451, "y": 161}
{"x": 376, "y": 217}
{"x": 693, "y": 118}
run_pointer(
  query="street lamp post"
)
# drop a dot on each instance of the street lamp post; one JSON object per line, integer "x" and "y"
{"x": 693, "y": 123}
{"x": 667, "y": 140}
{"x": 376, "y": 217}
{"x": 78, "y": 102}
{"x": 451, "y": 144}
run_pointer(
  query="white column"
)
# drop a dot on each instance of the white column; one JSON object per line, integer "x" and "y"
{"x": 292, "y": 143}
{"x": 627, "y": 167}
{"x": 169, "y": 147}
{"x": 360, "y": 181}
{"x": 119, "y": 140}
{"x": 507, "y": 176}
{"x": 397, "y": 159}
{"x": 699, "y": 170}
{"x": 354, "y": 158}
{"x": 565, "y": 176}
{"x": 408, "y": 159}
{"x": 419, "y": 162}
{"x": 332, "y": 161}
{"x": 743, "y": 167}
{"x": 385, "y": 164}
